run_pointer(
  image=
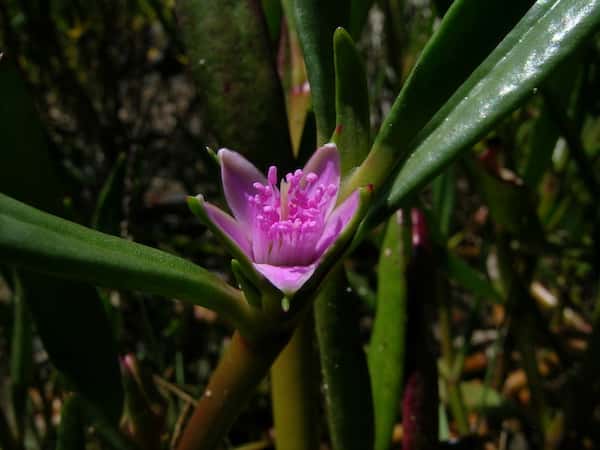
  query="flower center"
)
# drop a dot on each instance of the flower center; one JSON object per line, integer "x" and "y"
{"x": 289, "y": 221}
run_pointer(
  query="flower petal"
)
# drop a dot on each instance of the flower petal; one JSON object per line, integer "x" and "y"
{"x": 229, "y": 227}
{"x": 238, "y": 176}
{"x": 336, "y": 222}
{"x": 287, "y": 279}
{"x": 325, "y": 163}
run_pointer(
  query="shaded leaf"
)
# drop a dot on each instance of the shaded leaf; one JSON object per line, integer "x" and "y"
{"x": 343, "y": 362}
{"x": 233, "y": 63}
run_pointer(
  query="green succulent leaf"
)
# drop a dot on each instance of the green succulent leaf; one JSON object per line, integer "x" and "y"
{"x": 316, "y": 21}
{"x": 460, "y": 44}
{"x": 232, "y": 61}
{"x": 503, "y": 82}
{"x": 351, "y": 102}
{"x": 48, "y": 244}
{"x": 344, "y": 365}
{"x": 386, "y": 349}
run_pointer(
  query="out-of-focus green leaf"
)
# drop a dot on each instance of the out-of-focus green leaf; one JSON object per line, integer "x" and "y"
{"x": 48, "y": 244}
{"x": 386, "y": 349}
{"x": 509, "y": 204}
{"x": 561, "y": 86}
{"x": 21, "y": 355}
{"x": 351, "y": 102}
{"x": 68, "y": 316}
{"x": 108, "y": 214}
{"x": 542, "y": 141}
{"x": 500, "y": 85}
{"x": 479, "y": 396}
{"x": 77, "y": 338}
{"x": 316, "y": 21}
{"x": 344, "y": 366}
{"x": 273, "y": 13}
{"x": 461, "y": 43}
{"x": 443, "y": 199}
{"x": 469, "y": 278}
{"x": 233, "y": 63}
{"x": 359, "y": 13}
{"x": 71, "y": 432}
{"x": 26, "y": 165}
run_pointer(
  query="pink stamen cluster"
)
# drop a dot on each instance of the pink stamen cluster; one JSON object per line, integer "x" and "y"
{"x": 289, "y": 221}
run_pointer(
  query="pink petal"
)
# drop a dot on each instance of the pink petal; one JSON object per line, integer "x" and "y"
{"x": 238, "y": 176}
{"x": 287, "y": 279}
{"x": 337, "y": 221}
{"x": 230, "y": 228}
{"x": 325, "y": 163}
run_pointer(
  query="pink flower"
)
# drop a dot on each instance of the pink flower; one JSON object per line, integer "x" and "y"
{"x": 282, "y": 226}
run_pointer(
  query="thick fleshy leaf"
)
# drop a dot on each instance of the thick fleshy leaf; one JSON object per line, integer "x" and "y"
{"x": 462, "y": 41}
{"x": 492, "y": 94}
{"x": 344, "y": 365}
{"x": 287, "y": 279}
{"x": 352, "y": 130}
{"x": 387, "y": 346}
{"x": 46, "y": 243}
{"x": 232, "y": 61}
{"x": 316, "y": 21}
{"x": 238, "y": 175}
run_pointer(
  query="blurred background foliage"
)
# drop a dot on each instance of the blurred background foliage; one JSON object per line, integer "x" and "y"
{"x": 104, "y": 120}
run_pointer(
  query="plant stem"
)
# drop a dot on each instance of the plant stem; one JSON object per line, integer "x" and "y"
{"x": 295, "y": 391}
{"x": 240, "y": 370}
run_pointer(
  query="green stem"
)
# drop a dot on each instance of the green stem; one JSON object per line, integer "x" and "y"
{"x": 295, "y": 392}
{"x": 240, "y": 370}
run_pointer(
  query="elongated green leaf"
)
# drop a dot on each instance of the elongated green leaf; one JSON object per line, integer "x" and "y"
{"x": 232, "y": 61}
{"x": 443, "y": 199}
{"x": 351, "y": 102}
{"x": 543, "y": 44}
{"x": 359, "y": 13}
{"x": 51, "y": 245}
{"x": 343, "y": 362}
{"x": 509, "y": 204}
{"x": 386, "y": 349}
{"x": 316, "y": 20}
{"x": 21, "y": 355}
{"x": 461, "y": 43}
{"x": 469, "y": 278}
